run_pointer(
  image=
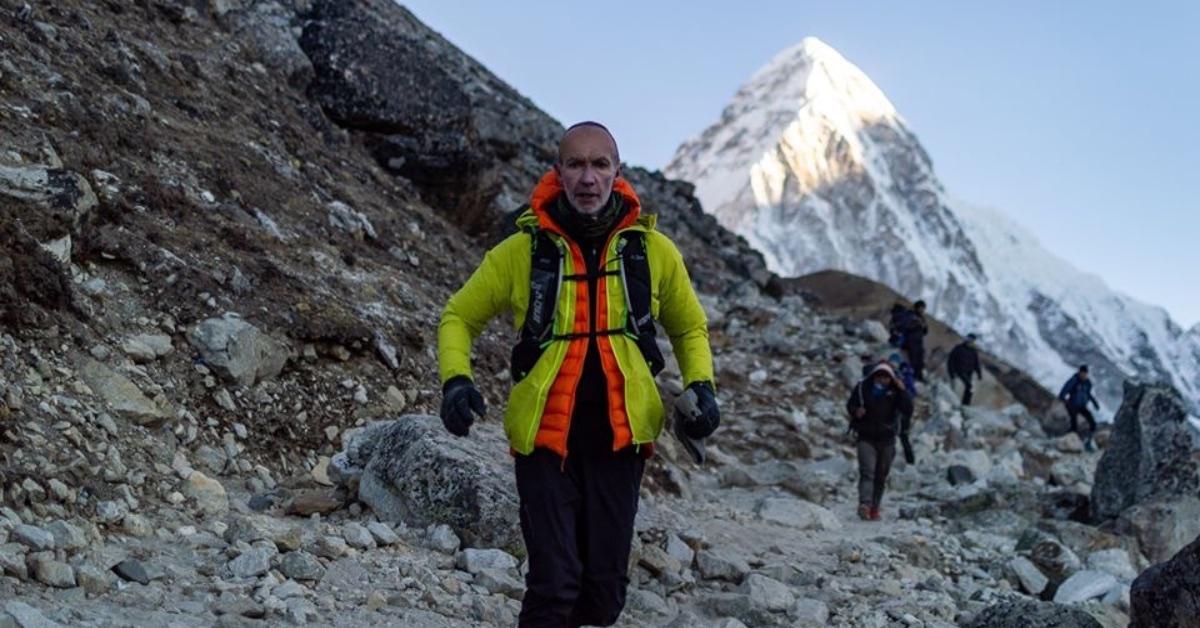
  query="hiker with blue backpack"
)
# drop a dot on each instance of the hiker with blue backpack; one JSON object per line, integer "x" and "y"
{"x": 880, "y": 411}
{"x": 907, "y": 330}
{"x": 1076, "y": 394}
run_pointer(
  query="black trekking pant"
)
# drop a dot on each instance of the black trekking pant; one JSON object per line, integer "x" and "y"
{"x": 966, "y": 379}
{"x": 874, "y": 465}
{"x": 1087, "y": 414}
{"x": 577, "y": 522}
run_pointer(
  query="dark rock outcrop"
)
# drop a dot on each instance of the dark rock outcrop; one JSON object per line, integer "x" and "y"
{"x": 1150, "y": 456}
{"x": 1167, "y": 595}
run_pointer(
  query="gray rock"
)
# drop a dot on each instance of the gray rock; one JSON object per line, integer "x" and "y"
{"x": 1167, "y": 595}
{"x": 209, "y": 494}
{"x": 383, "y": 533}
{"x": 111, "y": 511}
{"x": 499, "y": 581}
{"x": 301, "y": 565}
{"x": 67, "y": 194}
{"x": 1114, "y": 561}
{"x": 1029, "y": 614}
{"x": 255, "y": 562}
{"x": 1032, "y": 580}
{"x": 12, "y": 561}
{"x": 132, "y": 570}
{"x": 121, "y": 395}
{"x": 1149, "y": 456}
{"x": 67, "y": 536}
{"x": 331, "y": 547}
{"x": 443, "y": 539}
{"x": 717, "y": 565}
{"x": 797, "y": 514}
{"x": 238, "y": 351}
{"x": 1084, "y": 585}
{"x": 357, "y": 536}
{"x": 809, "y": 613}
{"x": 419, "y": 474}
{"x": 52, "y": 573}
{"x": 475, "y": 560}
{"x": 93, "y": 580}
{"x": 33, "y": 537}
{"x": 679, "y": 550}
{"x": 147, "y": 347}
{"x": 346, "y": 218}
{"x": 766, "y": 593}
{"x": 27, "y": 616}
{"x": 640, "y": 600}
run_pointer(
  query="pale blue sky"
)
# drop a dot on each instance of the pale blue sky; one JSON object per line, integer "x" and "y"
{"x": 1081, "y": 120}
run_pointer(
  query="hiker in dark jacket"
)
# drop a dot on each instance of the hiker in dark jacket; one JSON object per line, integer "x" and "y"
{"x": 914, "y": 329}
{"x": 963, "y": 365}
{"x": 896, "y": 320}
{"x": 1076, "y": 394}
{"x": 880, "y": 409}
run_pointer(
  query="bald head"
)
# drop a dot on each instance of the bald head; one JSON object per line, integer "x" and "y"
{"x": 593, "y": 130}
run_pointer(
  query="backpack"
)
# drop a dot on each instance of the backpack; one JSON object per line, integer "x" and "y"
{"x": 545, "y": 282}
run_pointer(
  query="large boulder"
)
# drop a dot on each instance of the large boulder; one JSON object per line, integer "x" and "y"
{"x": 470, "y": 142}
{"x": 1150, "y": 456}
{"x": 414, "y": 471}
{"x": 1030, "y": 614}
{"x": 1167, "y": 595}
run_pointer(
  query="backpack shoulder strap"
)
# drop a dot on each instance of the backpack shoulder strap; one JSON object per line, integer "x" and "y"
{"x": 635, "y": 275}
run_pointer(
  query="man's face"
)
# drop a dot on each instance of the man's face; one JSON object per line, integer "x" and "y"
{"x": 587, "y": 167}
{"x": 1083, "y": 374}
{"x": 883, "y": 379}
{"x": 920, "y": 309}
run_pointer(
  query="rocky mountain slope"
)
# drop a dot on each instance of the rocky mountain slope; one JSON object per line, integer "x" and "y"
{"x": 815, "y": 167}
{"x": 228, "y": 230}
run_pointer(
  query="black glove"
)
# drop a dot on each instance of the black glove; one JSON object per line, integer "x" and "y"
{"x": 699, "y": 410}
{"x": 909, "y": 456}
{"x": 459, "y": 399}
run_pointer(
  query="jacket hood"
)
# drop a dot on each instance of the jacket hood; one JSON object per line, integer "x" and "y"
{"x": 550, "y": 187}
{"x": 882, "y": 367}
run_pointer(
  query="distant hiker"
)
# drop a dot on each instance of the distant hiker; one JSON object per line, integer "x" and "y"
{"x": 904, "y": 371}
{"x": 914, "y": 329}
{"x": 896, "y": 320}
{"x": 1076, "y": 394}
{"x": 963, "y": 365}
{"x": 880, "y": 410}
{"x": 583, "y": 279}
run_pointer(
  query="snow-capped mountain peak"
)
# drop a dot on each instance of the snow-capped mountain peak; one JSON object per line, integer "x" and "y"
{"x": 812, "y": 163}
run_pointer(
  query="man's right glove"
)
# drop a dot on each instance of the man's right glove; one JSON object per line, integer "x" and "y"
{"x": 696, "y": 418}
{"x": 697, "y": 407}
{"x": 459, "y": 399}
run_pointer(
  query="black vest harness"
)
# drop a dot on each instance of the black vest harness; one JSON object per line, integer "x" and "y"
{"x": 545, "y": 283}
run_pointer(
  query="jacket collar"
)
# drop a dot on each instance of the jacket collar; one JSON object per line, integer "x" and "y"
{"x": 550, "y": 187}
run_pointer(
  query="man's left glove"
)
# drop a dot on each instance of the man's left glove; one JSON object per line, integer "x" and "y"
{"x": 459, "y": 399}
{"x": 697, "y": 407}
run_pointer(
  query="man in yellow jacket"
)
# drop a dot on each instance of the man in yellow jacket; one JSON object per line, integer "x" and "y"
{"x": 584, "y": 410}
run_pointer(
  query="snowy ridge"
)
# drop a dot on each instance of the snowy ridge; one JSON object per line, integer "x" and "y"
{"x": 814, "y": 166}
